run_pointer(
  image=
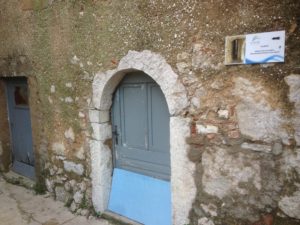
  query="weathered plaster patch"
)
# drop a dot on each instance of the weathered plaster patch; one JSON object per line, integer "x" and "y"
{"x": 257, "y": 120}
{"x": 223, "y": 172}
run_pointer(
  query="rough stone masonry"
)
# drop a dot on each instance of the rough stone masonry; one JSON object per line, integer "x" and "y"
{"x": 235, "y": 144}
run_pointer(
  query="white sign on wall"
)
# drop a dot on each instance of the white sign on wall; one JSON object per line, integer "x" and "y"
{"x": 265, "y": 47}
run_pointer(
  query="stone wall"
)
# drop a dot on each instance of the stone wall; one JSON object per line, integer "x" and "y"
{"x": 243, "y": 145}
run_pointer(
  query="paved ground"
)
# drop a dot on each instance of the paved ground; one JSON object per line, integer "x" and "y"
{"x": 20, "y": 206}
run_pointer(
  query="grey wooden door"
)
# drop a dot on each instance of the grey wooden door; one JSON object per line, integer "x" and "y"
{"x": 141, "y": 127}
{"x": 20, "y": 127}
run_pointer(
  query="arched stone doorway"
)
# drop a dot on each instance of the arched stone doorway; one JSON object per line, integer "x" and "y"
{"x": 182, "y": 183}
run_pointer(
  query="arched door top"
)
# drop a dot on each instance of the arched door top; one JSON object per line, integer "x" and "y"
{"x": 153, "y": 65}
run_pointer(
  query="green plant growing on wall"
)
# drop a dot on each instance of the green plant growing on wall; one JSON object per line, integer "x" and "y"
{"x": 84, "y": 203}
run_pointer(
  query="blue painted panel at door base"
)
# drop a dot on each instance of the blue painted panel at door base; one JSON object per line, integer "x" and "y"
{"x": 141, "y": 198}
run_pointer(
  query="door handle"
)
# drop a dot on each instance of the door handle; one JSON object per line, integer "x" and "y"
{"x": 116, "y": 134}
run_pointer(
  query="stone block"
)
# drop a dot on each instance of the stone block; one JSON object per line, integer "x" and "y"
{"x": 101, "y": 131}
{"x": 78, "y": 196}
{"x": 205, "y": 221}
{"x": 257, "y": 147}
{"x": 277, "y": 148}
{"x": 207, "y": 129}
{"x": 58, "y": 148}
{"x": 69, "y": 134}
{"x": 61, "y": 194}
{"x": 73, "y": 207}
{"x": 224, "y": 114}
{"x": 290, "y": 205}
{"x": 210, "y": 209}
{"x": 49, "y": 185}
{"x": 99, "y": 116}
{"x": 73, "y": 167}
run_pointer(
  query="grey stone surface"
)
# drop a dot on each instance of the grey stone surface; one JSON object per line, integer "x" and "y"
{"x": 290, "y": 162}
{"x": 290, "y": 205}
{"x": 73, "y": 167}
{"x": 223, "y": 172}
{"x": 182, "y": 171}
{"x": 293, "y": 81}
{"x": 67, "y": 186}
{"x": 257, "y": 120}
{"x": 101, "y": 131}
{"x": 257, "y": 147}
{"x": 73, "y": 207}
{"x": 78, "y": 196}
{"x": 210, "y": 209}
{"x": 61, "y": 194}
{"x": 183, "y": 67}
{"x": 205, "y": 221}
{"x": 99, "y": 116}
{"x": 49, "y": 185}
{"x": 277, "y": 148}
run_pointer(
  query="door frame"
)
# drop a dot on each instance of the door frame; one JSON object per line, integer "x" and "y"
{"x": 8, "y": 148}
{"x": 9, "y": 83}
{"x": 183, "y": 188}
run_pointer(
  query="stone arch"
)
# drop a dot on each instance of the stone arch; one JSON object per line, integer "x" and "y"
{"x": 104, "y": 85}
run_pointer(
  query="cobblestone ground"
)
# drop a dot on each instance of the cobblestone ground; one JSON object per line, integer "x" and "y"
{"x": 20, "y": 206}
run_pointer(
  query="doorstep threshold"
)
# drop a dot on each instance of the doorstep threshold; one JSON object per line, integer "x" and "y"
{"x": 123, "y": 220}
{"x": 17, "y": 179}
